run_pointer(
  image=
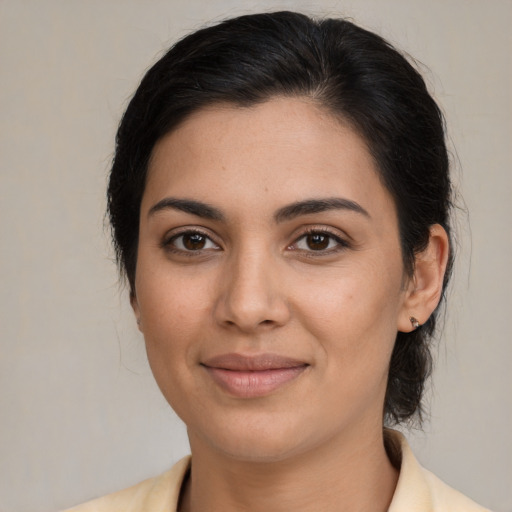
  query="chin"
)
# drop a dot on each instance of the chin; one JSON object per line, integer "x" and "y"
{"x": 266, "y": 440}
{"x": 258, "y": 450}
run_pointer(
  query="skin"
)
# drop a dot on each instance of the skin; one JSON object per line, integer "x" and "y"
{"x": 257, "y": 285}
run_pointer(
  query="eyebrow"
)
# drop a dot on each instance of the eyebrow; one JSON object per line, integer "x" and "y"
{"x": 310, "y": 206}
{"x": 197, "y": 208}
{"x": 286, "y": 213}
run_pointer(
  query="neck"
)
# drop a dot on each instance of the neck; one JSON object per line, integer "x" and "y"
{"x": 351, "y": 473}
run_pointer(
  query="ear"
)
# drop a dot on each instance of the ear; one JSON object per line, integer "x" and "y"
{"x": 136, "y": 310}
{"x": 426, "y": 285}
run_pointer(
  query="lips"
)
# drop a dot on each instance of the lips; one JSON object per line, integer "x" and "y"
{"x": 252, "y": 376}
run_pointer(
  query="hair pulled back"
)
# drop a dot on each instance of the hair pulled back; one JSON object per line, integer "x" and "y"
{"x": 354, "y": 74}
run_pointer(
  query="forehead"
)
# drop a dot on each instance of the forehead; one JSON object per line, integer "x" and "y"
{"x": 287, "y": 145}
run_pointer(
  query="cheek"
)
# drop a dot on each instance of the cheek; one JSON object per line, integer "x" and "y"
{"x": 354, "y": 313}
{"x": 169, "y": 299}
{"x": 353, "y": 301}
{"x": 170, "y": 326}
{"x": 175, "y": 316}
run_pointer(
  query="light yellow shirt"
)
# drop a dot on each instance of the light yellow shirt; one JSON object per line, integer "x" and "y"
{"x": 417, "y": 490}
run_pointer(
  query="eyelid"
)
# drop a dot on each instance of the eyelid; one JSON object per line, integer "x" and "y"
{"x": 175, "y": 233}
{"x": 341, "y": 240}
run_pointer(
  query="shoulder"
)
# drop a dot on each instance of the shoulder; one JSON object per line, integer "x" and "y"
{"x": 418, "y": 490}
{"x": 446, "y": 498}
{"x": 157, "y": 494}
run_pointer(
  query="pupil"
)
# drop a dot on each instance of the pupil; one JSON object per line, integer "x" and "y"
{"x": 318, "y": 242}
{"x": 194, "y": 241}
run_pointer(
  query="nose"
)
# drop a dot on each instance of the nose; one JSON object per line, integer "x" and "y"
{"x": 252, "y": 295}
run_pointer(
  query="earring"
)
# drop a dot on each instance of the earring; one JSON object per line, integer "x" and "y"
{"x": 138, "y": 321}
{"x": 414, "y": 322}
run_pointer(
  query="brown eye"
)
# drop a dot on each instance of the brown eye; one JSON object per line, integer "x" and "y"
{"x": 191, "y": 241}
{"x": 317, "y": 241}
{"x": 320, "y": 242}
{"x": 194, "y": 241}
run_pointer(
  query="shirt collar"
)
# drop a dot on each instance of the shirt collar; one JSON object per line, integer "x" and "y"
{"x": 412, "y": 493}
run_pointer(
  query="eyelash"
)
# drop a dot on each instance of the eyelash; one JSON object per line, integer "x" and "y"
{"x": 168, "y": 242}
{"x": 341, "y": 244}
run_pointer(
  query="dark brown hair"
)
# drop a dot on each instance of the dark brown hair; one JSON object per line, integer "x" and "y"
{"x": 357, "y": 76}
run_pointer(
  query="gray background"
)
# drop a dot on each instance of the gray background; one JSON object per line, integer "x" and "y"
{"x": 80, "y": 414}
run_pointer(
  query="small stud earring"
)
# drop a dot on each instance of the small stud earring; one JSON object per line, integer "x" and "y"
{"x": 138, "y": 321}
{"x": 414, "y": 322}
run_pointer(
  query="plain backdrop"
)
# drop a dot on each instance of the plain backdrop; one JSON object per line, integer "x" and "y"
{"x": 80, "y": 415}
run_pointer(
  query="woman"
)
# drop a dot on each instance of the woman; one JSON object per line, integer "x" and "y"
{"x": 280, "y": 202}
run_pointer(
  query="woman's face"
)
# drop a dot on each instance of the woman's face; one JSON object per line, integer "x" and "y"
{"x": 269, "y": 280}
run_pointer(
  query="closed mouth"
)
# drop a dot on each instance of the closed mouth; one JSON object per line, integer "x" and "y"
{"x": 253, "y": 376}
